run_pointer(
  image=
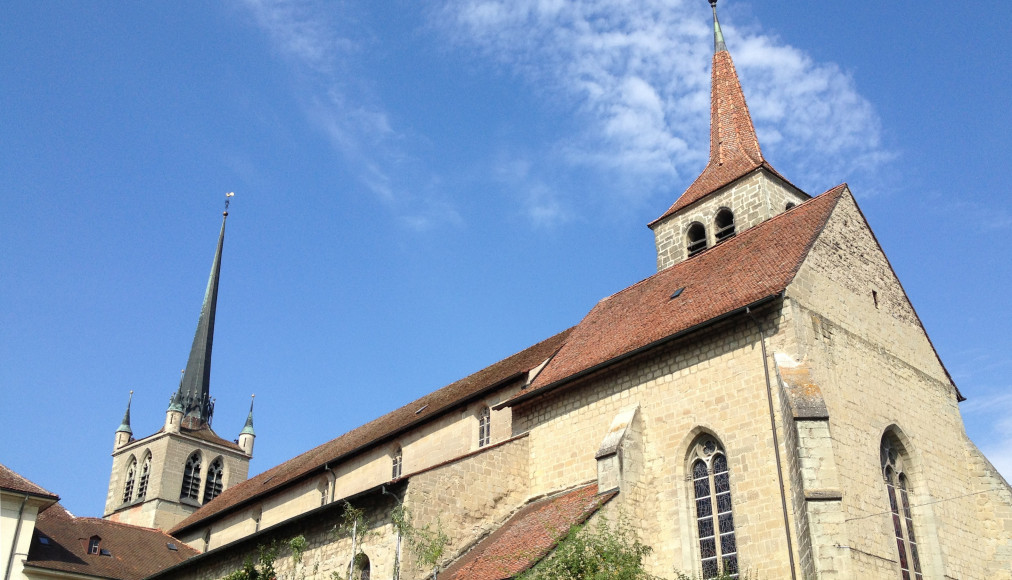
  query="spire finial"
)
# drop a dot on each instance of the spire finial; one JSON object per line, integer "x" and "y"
{"x": 718, "y": 36}
{"x": 124, "y": 426}
{"x": 228, "y": 199}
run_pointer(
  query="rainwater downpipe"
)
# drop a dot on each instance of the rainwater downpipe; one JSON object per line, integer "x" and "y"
{"x": 776, "y": 442}
{"x": 17, "y": 534}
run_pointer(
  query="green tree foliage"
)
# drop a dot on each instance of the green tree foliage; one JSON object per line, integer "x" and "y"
{"x": 263, "y": 569}
{"x": 600, "y": 552}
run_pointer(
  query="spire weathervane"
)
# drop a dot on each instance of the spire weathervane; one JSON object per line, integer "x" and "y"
{"x": 228, "y": 199}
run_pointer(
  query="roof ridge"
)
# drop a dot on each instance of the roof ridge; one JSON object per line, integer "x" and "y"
{"x": 403, "y": 417}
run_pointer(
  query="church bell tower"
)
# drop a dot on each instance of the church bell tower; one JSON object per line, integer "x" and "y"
{"x": 159, "y": 480}
{"x": 738, "y": 188}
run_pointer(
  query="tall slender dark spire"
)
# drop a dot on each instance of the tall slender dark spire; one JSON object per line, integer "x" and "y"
{"x": 194, "y": 389}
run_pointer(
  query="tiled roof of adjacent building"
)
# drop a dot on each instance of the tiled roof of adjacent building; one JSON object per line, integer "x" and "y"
{"x": 13, "y": 481}
{"x": 61, "y": 541}
{"x": 423, "y": 409}
{"x": 751, "y": 266}
{"x": 528, "y": 536}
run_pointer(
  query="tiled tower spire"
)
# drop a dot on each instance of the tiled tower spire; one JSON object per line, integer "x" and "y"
{"x": 194, "y": 395}
{"x": 734, "y": 147}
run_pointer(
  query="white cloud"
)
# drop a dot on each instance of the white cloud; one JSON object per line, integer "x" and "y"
{"x": 319, "y": 40}
{"x": 639, "y": 73}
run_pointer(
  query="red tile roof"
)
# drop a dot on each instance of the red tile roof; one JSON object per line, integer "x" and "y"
{"x": 376, "y": 431}
{"x": 528, "y": 536}
{"x": 10, "y": 480}
{"x": 134, "y": 552}
{"x": 753, "y": 265}
{"x": 734, "y": 147}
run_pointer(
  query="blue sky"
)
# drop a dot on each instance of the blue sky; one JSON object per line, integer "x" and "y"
{"x": 425, "y": 188}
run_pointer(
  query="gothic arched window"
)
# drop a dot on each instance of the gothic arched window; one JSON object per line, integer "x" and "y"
{"x": 723, "y": 225}
{"x": 711, "y": 492}
{"x": 128, "y": 487}
{"x": 398, "y": 462}
{"x": 894, "y": 466}
{"x": 214, "y": 478}
{"x": 191, "y": 478}
{"x": 484, "y": 427}
{"x": 695, "y": 238}
{"x": 142, "y": 485}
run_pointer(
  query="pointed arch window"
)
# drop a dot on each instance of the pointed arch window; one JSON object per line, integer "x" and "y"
{"x": 695, "y": 238}
{"x": 723, "y": 224}
{"x": 214, "y": 478}
{"x": 484, "y": 427}
{"x": 191, "y": 478}
{"x": 894, "y": 465}
{"x": 142, "y": 485}
{"x": 131, "y": 474}
{"x": 398, "y": 463}
{"x": 711, "y": 490}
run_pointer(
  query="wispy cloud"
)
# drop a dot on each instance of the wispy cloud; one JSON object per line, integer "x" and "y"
{"x": 639, "y": 74}
{"x": 319, "y": 39}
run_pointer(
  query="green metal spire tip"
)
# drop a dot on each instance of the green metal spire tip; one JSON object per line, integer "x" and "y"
{"x": 124, "y": 426}
{"x": 248, "y": 428}
{"x": 718, "y": 36}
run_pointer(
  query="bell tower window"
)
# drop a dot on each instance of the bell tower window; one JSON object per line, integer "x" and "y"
{"x": 128, "y": 489}
{"x": 723, "y": 224}
{"x": 214, "y": 481}
{"x": 695, "y": 238}
{"x": 191, "y": 478}
{"x": 142, "y": 486}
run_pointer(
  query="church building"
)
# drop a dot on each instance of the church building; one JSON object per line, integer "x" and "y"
{"x": 768, "y": 401}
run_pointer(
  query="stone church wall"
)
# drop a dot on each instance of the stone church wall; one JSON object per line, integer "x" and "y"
{"x": 708, "y": 383}
{"x": 451, "y": 436}
{"x": 878, "y": 372}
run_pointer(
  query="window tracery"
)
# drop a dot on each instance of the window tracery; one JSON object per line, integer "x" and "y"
{"x": 711, "y": 487}
{"x": 894, "y": 466}
{"x": 214, "y": 480}
{"x": 191, "y": 478}
{"x": 128, "y": 487}
{"x": 142, "y": 485}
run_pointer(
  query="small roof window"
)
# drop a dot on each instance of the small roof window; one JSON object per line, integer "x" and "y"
{"x": 678, "y": 292}
{"x": 172, "y": 547}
